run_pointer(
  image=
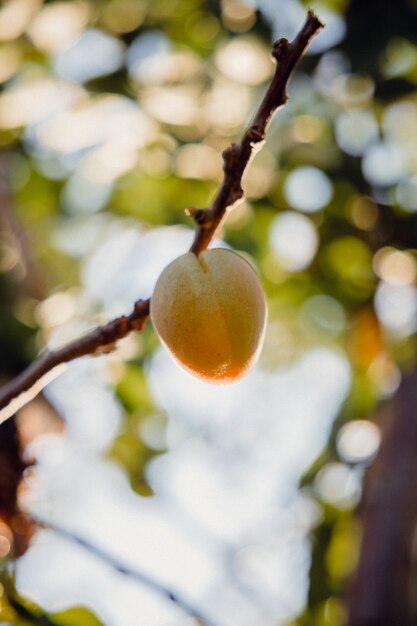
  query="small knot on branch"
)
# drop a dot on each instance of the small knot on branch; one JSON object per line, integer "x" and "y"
{"x": 231, "y": 156}
{"x": 140, "y": 314}
{"x": 105, "y": 349}
{"x": 198, "y": 215}
{"x": 236, "y": 194}
{"x": 141, "y": 307}
{"x": 315, "y": 22}
{"x": 255, "y": 135}
{"x": 280, "y": 49}
{"x": 108, "y": 335}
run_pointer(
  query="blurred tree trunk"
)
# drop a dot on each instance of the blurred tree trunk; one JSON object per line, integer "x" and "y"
{"x": 27, "y": 283}
{"x": 381, "y": 593}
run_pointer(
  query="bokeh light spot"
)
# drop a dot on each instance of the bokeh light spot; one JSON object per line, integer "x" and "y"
{"x": 363, "y": 212}
{"x": 383, "y": 164}
{"x": 355, "y": 130}
{"x": 338, "y": 485}
{"x": 307, "y": 128}
{"x": 9, "y": 252}
{"x": 308, "y": 189}
{"x": 143, "y": 51}
{"x": 385, "y": 375}
{"x": 396, "y": 307}
{"x": 323, "y": 315}
{"x": 395, "y": 266}
{"x": 15, "y": 16}
{"x": 123, "y": 16}
{"x": 294, "y": 240}
{"x": 350, "y": 259}
{"x": 406, "y": 194}
{"x": 245, "y": 61}
{"x": 57, "y": 24}
{"x": 56, "y": 309}
{"x": 238, "y": 16}
{"x": 352, "y": 90}
{"x": 4, "y": 546}
{"x": 93, "y": 54}
{"x": 358, "y": 441}
{"x": 198, "y": 161}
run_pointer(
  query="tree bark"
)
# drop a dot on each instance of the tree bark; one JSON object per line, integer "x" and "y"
{"x": 381, "y": 593}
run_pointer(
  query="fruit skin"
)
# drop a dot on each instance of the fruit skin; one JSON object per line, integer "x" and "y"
{"x": 210, "y": 312}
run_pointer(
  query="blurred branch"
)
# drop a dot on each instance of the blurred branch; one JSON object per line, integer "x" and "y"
{"x": 381, "y": 593}
{"x": 12, "y": 467}
{"x": 134, "y": 574}
{"x": 25, "y": 280}
{"x": 236, "y": 159}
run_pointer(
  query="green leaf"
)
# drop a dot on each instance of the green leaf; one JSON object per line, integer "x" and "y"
{"x": 77, "y": 616}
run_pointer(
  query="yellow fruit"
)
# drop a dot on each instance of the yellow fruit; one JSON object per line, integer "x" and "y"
{"x": 210, "y": 312}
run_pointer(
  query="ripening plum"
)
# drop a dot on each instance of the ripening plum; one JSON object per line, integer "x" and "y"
{"x": 210, "y": 312}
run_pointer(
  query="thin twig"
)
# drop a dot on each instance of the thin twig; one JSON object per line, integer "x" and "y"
{"x": 134, "y": 574}
{"x": 98, "y": 341}
{"x": 381, "y": 593}
{"x": 236, "y": 159}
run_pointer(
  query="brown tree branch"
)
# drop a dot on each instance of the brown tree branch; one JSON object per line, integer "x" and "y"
{"x": 236, "y": 159}
{"x": 98, "y": 341}
{"x": 381, "y": 593}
